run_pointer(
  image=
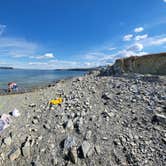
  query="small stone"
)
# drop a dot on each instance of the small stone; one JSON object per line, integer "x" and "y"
{"x": 88, "y": 135}
{"x": 69, "y": 125}
{"x": 26, "y": 149}
{"x": 47, "y": 126}
{"x": 106, "y": 96}
{"x": 85, "y": 148}
{"x": 69, "y": 142}
{"x": 109, "y": 114}
{"x": 97, "y": 149}
{"x": 54, "y": 161}
{"x": 35, "y": 121}
{"x": 105, "y": 138}
{"x": 83, "y": 113}
{"x": 73, "y": 155}
{"x": 14, "y": 154}
{"x": 90, "y": 152}
{"x": 7, "y": 141}
{"x": 159, "y": 118}
{"x": 32, "y": 105}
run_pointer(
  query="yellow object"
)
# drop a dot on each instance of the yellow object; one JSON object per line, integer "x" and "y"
{"x": 56, "y": 101}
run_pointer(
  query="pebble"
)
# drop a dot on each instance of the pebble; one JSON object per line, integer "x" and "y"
{"x": 47, "y": 126}
{"x": 69, "y": 125}
{"x": 7, "y": 141}
{"x": 97, "y": 149}
{"x": 159, "y": 118}
{"x": 32, "y": 105}
{"x": 73, "y": 155}
{"x": 85, "y": 148}
{"x": 15, "y": 154}
{"x": 26, "y": 149}
{"x": 88, "y": 135}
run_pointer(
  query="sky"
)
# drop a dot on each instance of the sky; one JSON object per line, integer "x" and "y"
{"x": 53, "y": 34}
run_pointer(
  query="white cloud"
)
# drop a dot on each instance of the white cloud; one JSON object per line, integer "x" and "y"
{"x": 135, "y": 47}
{"x": 2, "y": 29}
{"x": 57, "y": 64}
{"x": 111, "y": 48}
{"x": 45, "y": 56}
{"x": 127, "y": 37}
{"x": 159, "y": 41}
{"x": 49, "y": 55}
{"x": 17, "y": 48}
{"x": 154, "y": 41}
{"x": 138, "y": 29}
{"x": 93, "y": 55}
{"x": 37, "y": 63}
{"x": 164, "y": 1}
{"x": 141, "y": 37}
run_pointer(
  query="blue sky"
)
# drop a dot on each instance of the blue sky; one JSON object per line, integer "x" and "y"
{"x": 49, "y": 34}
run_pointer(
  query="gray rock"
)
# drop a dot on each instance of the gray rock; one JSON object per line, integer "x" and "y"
{"x": 85, "y": 148}
{"x": 107, "y": 96}
{"x": 134, "y": 89}
{"x": 83, "y": 113}
{"x": 26, "y": 149}
{"x": 159, "y": 118}
{"x": 88, "y": 135}
{"x": 35, "y": 121}
{"x": 14, "y": 154}
{"x": 69, "y": 142}
{"x": 54, "y": 162}
{"x": 47, "y": 126}
{"x": 69, "y": 125}
{"x": 73, "y": 155}
{"x": 7, "y": 141}
{"x": 97, "y": 149}
{"x": 32, "y": 105}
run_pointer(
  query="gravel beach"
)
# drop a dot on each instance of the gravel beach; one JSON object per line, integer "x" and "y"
{"x": 103, "y": 120}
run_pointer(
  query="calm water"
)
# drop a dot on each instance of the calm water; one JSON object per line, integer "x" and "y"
{"x": 33, "y": 78}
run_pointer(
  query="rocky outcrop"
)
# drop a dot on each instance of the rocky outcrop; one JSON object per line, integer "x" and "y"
{"x": 147, "y": 64}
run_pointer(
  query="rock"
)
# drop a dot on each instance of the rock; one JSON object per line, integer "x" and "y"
{"x": 85, "y": 148}
{"x": 69, "y": 125}
{"x": 26, "y": 149}
{"x": 134, "y": 89}
{"x": 104, "y": 138}
{"x": 90, "y": 152}
{"x": 35, "y": 121}
{"x": 7, "y": 141}
{"x": 88, "y": 135}
{"x": 97, "y": 149}
{"x": 69, "y": 142}
{"x": 73, "y": 155}
{"x": 83, "y": 113}
{"x": 159, "y": 118}
{"x": 106, "y": 96}
{"x": 79, "y": 125}
{"x": 109, "y": 114}
{"x": 54, "y": 162}
{"x": 47, "y": 126}
{"x": 14, "y": 154}
{"x": 32, "y": 105}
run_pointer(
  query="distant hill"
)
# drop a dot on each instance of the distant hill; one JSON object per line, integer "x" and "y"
{"x": 6, "y": 68}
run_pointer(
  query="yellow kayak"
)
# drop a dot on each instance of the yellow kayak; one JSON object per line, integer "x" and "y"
{"x": 56, "y": 101}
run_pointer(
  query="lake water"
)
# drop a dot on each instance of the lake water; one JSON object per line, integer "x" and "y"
{"x": 34, "y": 78}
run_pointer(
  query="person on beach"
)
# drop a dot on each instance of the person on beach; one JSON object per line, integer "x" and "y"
{"x": 12, "y": 86}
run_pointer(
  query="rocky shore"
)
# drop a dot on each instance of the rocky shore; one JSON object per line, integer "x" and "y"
{"x": 103, "y": 120}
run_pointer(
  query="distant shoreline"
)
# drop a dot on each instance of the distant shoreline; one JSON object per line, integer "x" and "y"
{"x": 6, "y": 68}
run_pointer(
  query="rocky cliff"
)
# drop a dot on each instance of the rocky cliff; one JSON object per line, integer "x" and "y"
{"x": 147, "y": 64}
